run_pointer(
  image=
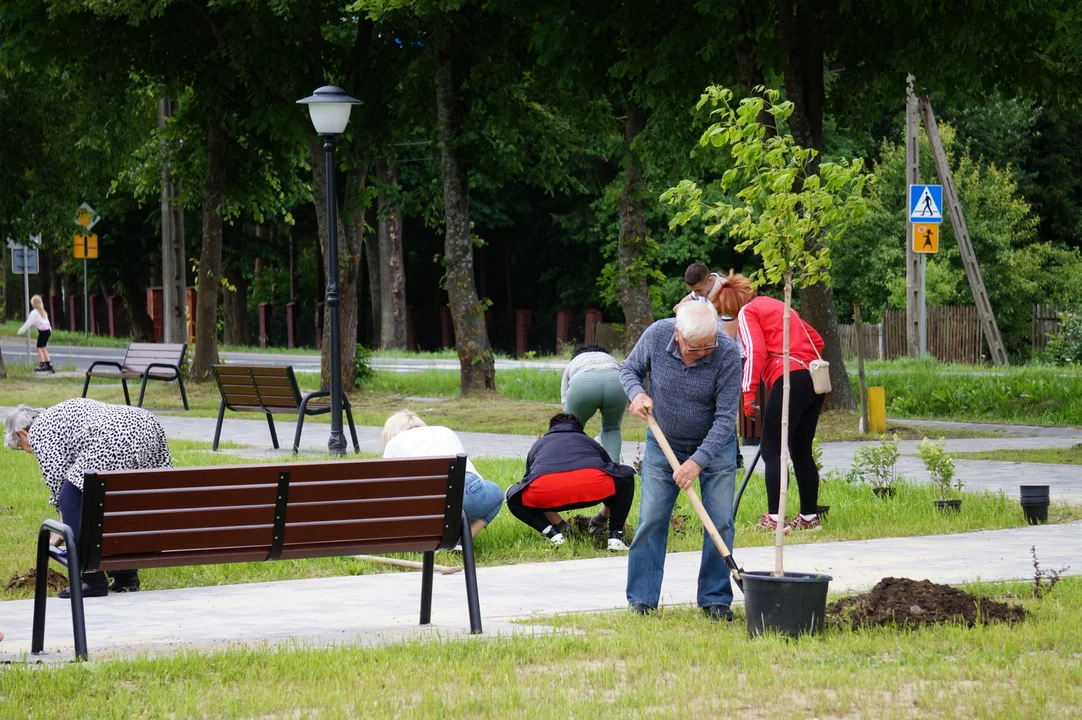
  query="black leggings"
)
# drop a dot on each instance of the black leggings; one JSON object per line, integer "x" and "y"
{"x": 619, "y": 505}
{"x": 804, "y": 407}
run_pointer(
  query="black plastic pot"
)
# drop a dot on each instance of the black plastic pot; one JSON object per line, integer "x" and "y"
{"x": 1036, "y": 513}
{"x": 821, "y": 511}
{"x": 792, "y": 605}
{"x": 1033, "y": 494}
{"x": 883, "y": 492}
{"x": 948, "y": 505}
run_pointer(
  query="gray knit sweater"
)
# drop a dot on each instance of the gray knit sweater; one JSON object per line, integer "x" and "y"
{"x": 694, "y": 405}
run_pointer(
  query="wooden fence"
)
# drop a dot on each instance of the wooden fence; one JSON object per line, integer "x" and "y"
{"x": 954, "y": 335}
{"x": 1045, "y": 323}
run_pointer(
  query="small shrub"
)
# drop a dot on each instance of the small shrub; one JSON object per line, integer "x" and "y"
{"x": 362, "y": 362}
{"x": 875, "y": 466}
{"x": 1065, "y": 347}
{"x": 940, "y": 466}
{"x": 1044, "y": 580}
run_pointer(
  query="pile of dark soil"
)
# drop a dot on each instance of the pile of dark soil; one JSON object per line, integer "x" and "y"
{"x": 914, "y": 603}
{"x": 582, "y": 526}
{"x": 26, "y": 580}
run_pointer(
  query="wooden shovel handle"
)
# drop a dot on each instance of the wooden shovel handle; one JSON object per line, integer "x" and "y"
{"x": 696, "y": 503}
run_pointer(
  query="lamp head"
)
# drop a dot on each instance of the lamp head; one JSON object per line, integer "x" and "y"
{"x": 329, "y": 107}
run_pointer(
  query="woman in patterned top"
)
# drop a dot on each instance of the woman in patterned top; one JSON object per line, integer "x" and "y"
{"x": 79, "y": 436}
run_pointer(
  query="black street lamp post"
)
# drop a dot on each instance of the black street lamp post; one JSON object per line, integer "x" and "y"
{"x": 329, "y": 107}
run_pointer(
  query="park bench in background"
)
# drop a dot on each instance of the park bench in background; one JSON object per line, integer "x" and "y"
{"x": 143, "y": 361}
{"x": 272, "y": 390}
{"x": 134, "y": 519}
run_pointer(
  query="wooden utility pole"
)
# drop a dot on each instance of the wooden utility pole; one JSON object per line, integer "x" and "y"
{"x": 859, "y": 328}
{"x": 913, "y": 285}
{"x": 965, "y": 245}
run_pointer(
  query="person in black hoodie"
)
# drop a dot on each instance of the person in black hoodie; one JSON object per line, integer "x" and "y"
{"x": 568, "y": 470}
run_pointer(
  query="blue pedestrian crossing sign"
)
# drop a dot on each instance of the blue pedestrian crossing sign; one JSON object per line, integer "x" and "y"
{"x": 926, "y": 203}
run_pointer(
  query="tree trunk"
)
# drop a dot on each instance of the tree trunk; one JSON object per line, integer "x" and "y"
{"x": 174, "y": 300}
{"x": 3, "y": 368}
{"x": 210, "y": 259}
{"x": 779, "y": 532}
{"x": 347, "y": 265}
{"x": 375, "y": 283}
{"x": 634, "y": 292}
{"x": 392, "y": 258}
{"x": 802, "y": 37}
{"x": 294, "y": 279}
{"x": 236, "y": 328}
{"x": 476, "y": 362}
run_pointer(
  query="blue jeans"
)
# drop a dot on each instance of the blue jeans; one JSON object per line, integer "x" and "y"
{"x": 646, "y": 561}
{"x": 482, "y": 499}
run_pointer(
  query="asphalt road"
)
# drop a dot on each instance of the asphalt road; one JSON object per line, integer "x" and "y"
{"x": 68, "y": 356}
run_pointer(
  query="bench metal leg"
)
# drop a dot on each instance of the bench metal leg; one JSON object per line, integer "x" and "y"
{"x": 274, "y": 435}
{"x": 183, "y": 395}
{"x": 218, "y": 427}
{"x": 41, "y": 589}
{"x": 300, "y": 426}
{"x": 127, "y": 397}
{"x": 352, "y": 427}
{"x": 470, "y": 572}
{"x": 86, "y": 384}
{"x": 142, "y": 390}
{"x": 426, "y": 587}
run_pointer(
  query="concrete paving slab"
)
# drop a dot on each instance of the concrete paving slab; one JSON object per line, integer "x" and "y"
{"x": 376, "y": 609}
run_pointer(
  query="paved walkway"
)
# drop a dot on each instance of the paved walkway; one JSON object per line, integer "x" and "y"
{"x": 374, "y": 609}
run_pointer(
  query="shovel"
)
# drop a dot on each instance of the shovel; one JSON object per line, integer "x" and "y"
{"x": 697, "y": 503}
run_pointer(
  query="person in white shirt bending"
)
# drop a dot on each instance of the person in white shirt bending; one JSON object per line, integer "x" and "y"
{"x": 40, "y": 319}
{"x": 406, "y": 435}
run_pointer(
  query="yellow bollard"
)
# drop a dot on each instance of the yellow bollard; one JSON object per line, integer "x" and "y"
{"x": 877, "y": 410}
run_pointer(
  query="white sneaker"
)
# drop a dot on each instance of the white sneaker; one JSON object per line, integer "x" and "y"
{"x": 557, "y": 540}
{"x": 617, "y": 545}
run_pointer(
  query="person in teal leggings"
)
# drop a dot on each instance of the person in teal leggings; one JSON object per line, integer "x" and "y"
{"x": 591, "y": 383}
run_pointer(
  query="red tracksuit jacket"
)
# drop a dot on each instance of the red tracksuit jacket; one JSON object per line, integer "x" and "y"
{"x": 761, "y": 325}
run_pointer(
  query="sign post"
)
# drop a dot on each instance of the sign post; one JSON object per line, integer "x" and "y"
{"x": 86, "y": 247}
{"x": 24, "y": 260}
{"x": 925, "y": 215}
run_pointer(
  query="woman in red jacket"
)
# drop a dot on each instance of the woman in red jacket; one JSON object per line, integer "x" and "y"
{"x": 761, "y": 326}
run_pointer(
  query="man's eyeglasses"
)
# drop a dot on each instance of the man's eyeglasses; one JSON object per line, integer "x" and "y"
{"x": 702, "y": 349}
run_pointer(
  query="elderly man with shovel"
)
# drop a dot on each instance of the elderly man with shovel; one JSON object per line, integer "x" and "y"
{"x": 693, "y": 368}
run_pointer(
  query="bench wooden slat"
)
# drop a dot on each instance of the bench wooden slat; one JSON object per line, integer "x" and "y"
{"x": 227, "y": 496}
{"x": 230, "y": 537}
{"x": 381, "y": 470}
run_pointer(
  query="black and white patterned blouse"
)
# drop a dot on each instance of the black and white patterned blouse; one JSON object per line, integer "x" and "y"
{"x": 79, "y": 436}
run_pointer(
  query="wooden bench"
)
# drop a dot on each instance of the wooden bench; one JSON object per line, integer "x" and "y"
{"x": 272, "y": 390}
{"x": 143, "y": 361}
{"x": 134, "y": 519}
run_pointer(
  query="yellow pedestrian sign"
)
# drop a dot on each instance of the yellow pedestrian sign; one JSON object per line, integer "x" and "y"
{"x": 926, "y": 237}
{"x": 86, "y": 246}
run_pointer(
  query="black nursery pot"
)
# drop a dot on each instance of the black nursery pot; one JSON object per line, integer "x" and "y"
{"x": 1036, "y": 513}
{"x": 883, "y": 492}
{"x": 792, "y": 605}
{"x": 821, "y": 511}
{"x": 948, "y": 505}
{"x": 1033, "y": 493}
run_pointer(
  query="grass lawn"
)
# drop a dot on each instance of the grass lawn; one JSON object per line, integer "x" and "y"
{"x": 604, "y": 665}
{"x": 855, "y": 514}
{"x": 1057, "y": 456}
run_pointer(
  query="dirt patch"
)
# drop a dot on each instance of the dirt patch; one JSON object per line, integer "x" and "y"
{"x": 600, "y": 536}
{"x": 25, "y": 581}
{"x": 913, "y": 603}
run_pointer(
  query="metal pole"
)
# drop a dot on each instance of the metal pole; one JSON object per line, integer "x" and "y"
{"x": 337, "y": 442}
{"x": 26, "y": 297}
{"x": 912, "y": 264}
{"x": 923, "y": 305}
{"x": 86, "y": 300}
